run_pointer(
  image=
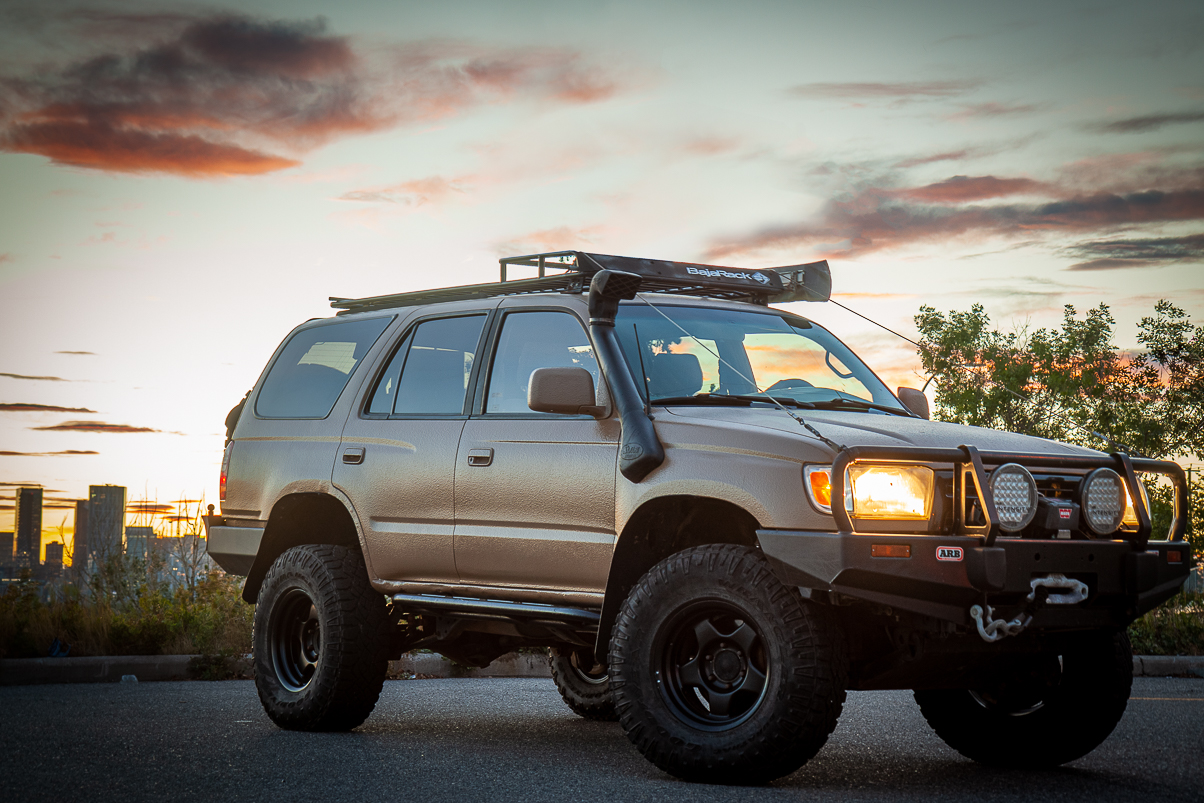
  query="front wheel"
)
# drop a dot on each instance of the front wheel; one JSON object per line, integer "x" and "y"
{"x": 1038, "y": 711}
{"x": 321, "y": 640}
{"x": 720, "y": 673}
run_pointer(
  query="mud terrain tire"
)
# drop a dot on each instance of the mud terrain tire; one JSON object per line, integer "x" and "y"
{"x": 1067, "y": 706}
{"x": 720, "y": 673}
{"x": 321, "y": 640}
{"x": 584, "y": 686}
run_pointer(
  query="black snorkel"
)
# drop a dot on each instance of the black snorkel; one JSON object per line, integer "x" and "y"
{"x": 640, "y": 450}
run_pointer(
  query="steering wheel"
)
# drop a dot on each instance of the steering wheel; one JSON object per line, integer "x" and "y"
{"x": 788, "y": 384}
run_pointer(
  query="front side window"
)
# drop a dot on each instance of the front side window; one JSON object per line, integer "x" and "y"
{"x": 315, "y": 366}
{"x": 532, "y": 340}
{"x": 430, "y": 371}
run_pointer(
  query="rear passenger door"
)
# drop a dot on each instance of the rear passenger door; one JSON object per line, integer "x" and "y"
{"x": 397, "y": 457}
{"x": 535, "y": 492}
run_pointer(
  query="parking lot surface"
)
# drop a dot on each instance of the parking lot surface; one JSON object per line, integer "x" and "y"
{"x": 513, "y": 739}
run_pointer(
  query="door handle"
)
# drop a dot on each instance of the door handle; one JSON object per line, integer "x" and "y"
{"x": 480, "y": 457}
{"x": 354, "y": 455}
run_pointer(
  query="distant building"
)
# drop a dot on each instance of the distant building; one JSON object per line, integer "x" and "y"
{"x": 7, "y": 549}
{"x": 29, "y": 527}
{"x": 79, "y": 542}
{"x": 52, "y": 569}
{"x": 139, "y": 541}
{"x": 106, "y": 522}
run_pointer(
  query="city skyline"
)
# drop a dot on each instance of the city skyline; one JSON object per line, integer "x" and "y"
{"x": 186, "y": 183}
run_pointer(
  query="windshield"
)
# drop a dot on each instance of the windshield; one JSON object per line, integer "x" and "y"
{"x": 736, "y": 353}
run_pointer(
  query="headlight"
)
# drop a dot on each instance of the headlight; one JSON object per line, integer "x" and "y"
{"x": 1103, "y": 500}
{"x": 1015, "y": 493}
{"x": 875, "y": 492}
{"x": 891, "y": 492}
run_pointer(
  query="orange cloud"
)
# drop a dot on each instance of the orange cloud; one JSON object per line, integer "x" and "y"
{"x": 960, "y": 189}
{"x": 222, "y": 95}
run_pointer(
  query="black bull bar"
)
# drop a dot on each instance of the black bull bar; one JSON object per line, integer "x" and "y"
{"x": 1126, "y": 576}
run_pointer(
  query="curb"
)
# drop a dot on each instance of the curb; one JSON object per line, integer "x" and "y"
{"x": 113, "y": 669}
{"x": 433, "y": 665}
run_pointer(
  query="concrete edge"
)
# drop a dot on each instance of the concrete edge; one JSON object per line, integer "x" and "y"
{"x": 111, "y": 669}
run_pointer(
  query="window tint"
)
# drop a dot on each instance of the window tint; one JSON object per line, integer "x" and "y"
{"x": 533, "y": 340}
{"x": 386, "y": 388}
{"x": 314, "y": 367}
{"x": 435, "y": 366}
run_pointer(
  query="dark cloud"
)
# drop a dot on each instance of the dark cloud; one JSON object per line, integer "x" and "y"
{"x": 227, "y": 95}
{"x": 1137, "y": 253}
{"x": 1133, "y": 125}
{"x": 46, "y": 454}
{"x": 88, "y": 353}
{"x": 38, "y": 378}
{"x": 92, "y": 426}
{"x": 961, "y": 189}
{"x": 15, "y": 407}
{"x": 143, "y": 506}
{"x": 875, "y": 220}
{"x": 901, "y": 91}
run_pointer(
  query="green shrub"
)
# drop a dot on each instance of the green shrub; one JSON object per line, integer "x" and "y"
{"x": 1174, "y": 628}
{"x": 210, "y": 619}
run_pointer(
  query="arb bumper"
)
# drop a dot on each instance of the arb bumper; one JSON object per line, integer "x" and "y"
{"x": 965, "y": 558}
{"x": 942, "y": 576}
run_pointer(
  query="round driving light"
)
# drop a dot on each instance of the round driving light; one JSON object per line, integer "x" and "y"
{"x": 1015, "y": 493}
{"x": 1103, "y": 499}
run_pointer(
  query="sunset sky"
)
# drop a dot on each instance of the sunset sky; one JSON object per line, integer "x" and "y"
{"x": 183, "y": 183}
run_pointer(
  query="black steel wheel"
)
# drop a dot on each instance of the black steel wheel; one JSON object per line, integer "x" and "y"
{"x": 712, "y": 664}
{"x": 321, "y": 640}
{"x": 295, "y": 639}
{"x": 583, "y": 683}
{"x": 1038, "y": 711}
{"x": 720, "y": 673}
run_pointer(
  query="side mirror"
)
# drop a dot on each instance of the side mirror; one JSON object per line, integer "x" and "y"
{"x": 915, "y": 400}
{"x": 568, "y": 391}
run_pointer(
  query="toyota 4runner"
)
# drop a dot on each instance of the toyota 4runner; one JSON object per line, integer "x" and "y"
{"x": 715, "y": 516}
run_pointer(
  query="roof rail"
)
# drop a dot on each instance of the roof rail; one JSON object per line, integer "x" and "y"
{"x": 571, "y": 271}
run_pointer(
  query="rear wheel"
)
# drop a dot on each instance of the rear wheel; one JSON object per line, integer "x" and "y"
{"x": 720, "y": 673}
{"x": 1038, "y": 711}
{"x": 583, "y": 683}
{"x": 321, "y": 640}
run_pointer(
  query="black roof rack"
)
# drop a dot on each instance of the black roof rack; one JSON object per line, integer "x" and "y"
{"x": 571, "y": 271}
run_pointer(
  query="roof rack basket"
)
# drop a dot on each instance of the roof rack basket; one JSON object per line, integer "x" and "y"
{"x": 571, "y": 272}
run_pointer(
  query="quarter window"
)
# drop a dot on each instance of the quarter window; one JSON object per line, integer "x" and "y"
{"x": 311, "y": 372}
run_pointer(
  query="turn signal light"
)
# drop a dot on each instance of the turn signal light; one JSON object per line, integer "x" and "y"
{"x": 1174, "y": 556}
{"x": 890, "y": 550}
{"x": 221, "y": 483}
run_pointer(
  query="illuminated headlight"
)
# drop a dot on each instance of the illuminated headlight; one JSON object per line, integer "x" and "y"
{"x": 1015, "y": 493}
{"x": 1104, "y": 500}
{"x": 875, "y": 492}
{"x": 891, "y": 492}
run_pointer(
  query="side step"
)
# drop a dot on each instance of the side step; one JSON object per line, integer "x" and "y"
{"x": 434, "y": 603}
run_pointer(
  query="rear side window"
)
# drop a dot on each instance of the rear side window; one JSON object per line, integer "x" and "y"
{"x": 314, "y": 367}
{"x": 429, "y": 373}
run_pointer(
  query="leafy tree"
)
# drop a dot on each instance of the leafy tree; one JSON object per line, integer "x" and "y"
{"x": 1073, "y": 384}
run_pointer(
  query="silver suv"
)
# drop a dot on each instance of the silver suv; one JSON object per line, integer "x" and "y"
{"x": 712, "y": 512}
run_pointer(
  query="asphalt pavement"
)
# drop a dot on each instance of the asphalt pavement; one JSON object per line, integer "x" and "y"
{"x": 509, "y": 739}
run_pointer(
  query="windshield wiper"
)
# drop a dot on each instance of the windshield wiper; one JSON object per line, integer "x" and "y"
{"x": 857, "y": 404}
{"x": 743, "y": 399}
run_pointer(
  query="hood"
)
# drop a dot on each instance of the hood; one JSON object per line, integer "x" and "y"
{"x": 875, "y": 429}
